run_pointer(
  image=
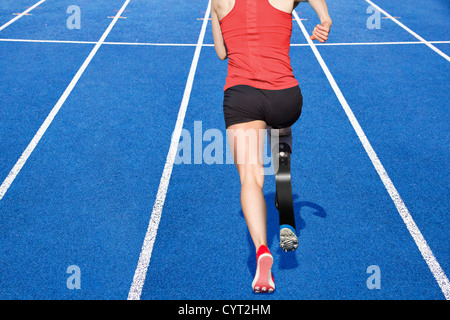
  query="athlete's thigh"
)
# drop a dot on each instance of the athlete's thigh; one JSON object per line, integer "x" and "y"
{"x": 247, "y": 146}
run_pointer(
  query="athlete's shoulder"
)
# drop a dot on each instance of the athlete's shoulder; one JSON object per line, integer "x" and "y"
{"x": 222, "y": 7}
{"x": 220, "y": 3}
{"x": 223, "y": 3}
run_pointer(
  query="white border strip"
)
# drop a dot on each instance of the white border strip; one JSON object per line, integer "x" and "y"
{"x": 420, "y": 241}
{"x": 446, "y": 57}
{"x": 21, "y": 15}
{"x": 150, "y": 236}
{"x": 26, "y": 154}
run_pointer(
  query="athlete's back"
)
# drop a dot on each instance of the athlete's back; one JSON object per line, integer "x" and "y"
{"x": 257, "y": 38}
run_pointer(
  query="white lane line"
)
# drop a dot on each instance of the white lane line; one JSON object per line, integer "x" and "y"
{"x": 212, "y": 45}
{"x": 374, "y": 43}
{"x": 446, "y": 57}
{"x": 105, "y": 43}
{"x": 26, "y": 154}
{"x": 150, "y": 236}
{"x": 21, "y": 15}
{"x": 48, "y": 41}
{"x": 154, "y": 44}
{"x": 420, "y": 241}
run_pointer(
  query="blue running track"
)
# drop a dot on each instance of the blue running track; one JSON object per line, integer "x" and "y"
{"x": 81, "y": 184}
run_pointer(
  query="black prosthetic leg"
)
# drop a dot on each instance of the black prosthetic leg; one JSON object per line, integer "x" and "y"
{"x": 281, "y": 142}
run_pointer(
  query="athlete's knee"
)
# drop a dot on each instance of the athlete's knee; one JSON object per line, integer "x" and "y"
{"x": 280, "y": 139}
{"x": 284, "y": 132}
{"x": 252, "y": 174}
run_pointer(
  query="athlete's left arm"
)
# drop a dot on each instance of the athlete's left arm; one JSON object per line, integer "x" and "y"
{"x": 219, "y": 43}
{"x": 322, "y": 30}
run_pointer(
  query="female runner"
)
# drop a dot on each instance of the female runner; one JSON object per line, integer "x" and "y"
{"x": 260, "y": 93}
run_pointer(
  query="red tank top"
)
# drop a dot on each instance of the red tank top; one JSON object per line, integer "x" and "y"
{"x": 258, "y": 38}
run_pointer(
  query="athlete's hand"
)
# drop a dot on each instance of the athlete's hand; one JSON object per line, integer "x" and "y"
{"x": 321, "y": 31}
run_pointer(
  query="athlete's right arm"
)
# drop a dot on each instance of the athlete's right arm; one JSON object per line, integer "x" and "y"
{"x": 219, "y": 43}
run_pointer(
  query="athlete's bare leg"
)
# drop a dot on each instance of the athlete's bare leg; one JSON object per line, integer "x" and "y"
{"x": 247, "y": 145}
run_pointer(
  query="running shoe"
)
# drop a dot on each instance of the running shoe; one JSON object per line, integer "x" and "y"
{"x": 263, "y": 281}
{"x": 288, "y": 238}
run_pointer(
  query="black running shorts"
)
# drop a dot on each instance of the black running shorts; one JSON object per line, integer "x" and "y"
{"x": 278, "y": 108}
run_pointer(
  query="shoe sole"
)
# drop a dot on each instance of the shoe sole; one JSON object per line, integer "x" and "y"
{"x": 288, "y": 240}
{"x": 263, "y": 281}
